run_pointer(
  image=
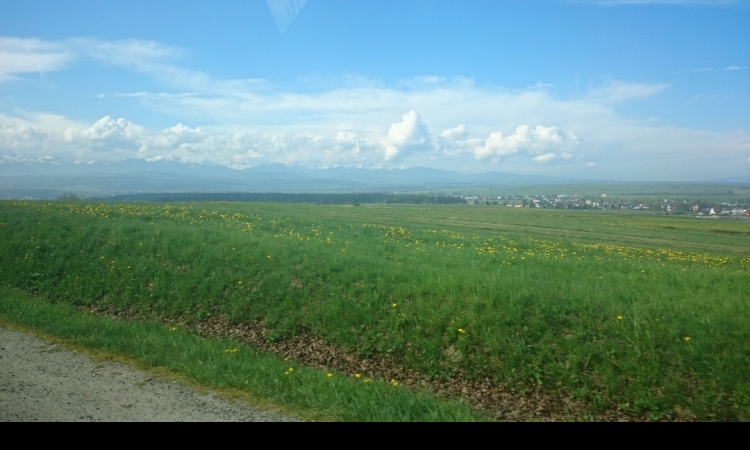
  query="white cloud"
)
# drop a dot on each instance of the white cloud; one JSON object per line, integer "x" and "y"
{"x": 409, "y": 135}
{"x": 108, "y": 128}
{"x": 110, "y": 139}
{"x": 249, "y": 121}
{"x": 19, "y": 56}
{"x": 547, "y": 157}
{"x": 714, "y": 69}
{"x": 454, "y": 134}
{"x": 456, "y": 141}
{"x": 16, "y": 135}
{"x": 22, "y": 56}
{"x": 131, "y": 53}
{"x": 619, "y": 91}
{"x": 630, "y": 150}
{"x": 537, "y": 141}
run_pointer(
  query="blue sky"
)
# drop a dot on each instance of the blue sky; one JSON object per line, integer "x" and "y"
{"x": 622, "y": 89}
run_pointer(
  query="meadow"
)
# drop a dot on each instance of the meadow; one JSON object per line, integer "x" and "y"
{"x": 616, "y": 311}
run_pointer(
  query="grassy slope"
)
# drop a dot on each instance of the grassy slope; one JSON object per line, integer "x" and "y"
{"x": 234, "y": 370}
{"x": 579, "y": 303}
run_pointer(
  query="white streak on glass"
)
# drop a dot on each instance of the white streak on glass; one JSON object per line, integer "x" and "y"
{"x": 285, "y": 12}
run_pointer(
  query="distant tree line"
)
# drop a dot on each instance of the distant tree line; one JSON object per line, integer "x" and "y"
{"x": 314, "y": 199}
{"x": 68, "y": 197}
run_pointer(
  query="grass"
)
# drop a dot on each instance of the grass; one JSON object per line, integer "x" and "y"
{"x": 640, "y": 313}
{"x": 232, "y": 369}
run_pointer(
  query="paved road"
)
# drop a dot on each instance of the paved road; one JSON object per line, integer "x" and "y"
{"x": 40, "y": 382}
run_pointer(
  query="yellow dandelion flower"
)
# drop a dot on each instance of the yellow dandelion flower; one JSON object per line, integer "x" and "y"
{"x": 394, "y": 305}
{"x": 173, "y": 329}
{"x": 461, "y": 330}
{"x": 291, "y": 369}
{"x": 620, "y": 317}
{"x": 688, "y": 339}
{"x": 356, "y": 375}
{"x": 330, "y": 375}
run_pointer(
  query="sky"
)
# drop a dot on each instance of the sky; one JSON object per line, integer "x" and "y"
{"x": 637, "y": 90}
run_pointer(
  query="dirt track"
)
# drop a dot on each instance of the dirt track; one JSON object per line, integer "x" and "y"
{"x": 40, "y": 382}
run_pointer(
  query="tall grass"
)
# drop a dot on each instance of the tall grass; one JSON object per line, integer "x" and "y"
{"x": 616, "y": 311}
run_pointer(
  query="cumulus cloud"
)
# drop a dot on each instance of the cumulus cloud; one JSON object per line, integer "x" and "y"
{"x": 409, "y": 135}
{"x": 108, "y": 129}
{"x": 540, "y": 142}
{"x": 110, "y": 139}
{"x": 455, "y": 134}
{"x": 251, "y": 121}
{"x": 547, "y": 157}
{"x": 456, "y": 141}
{"x": 43, "y": 136}
{"x": 21, "y": 56}
{"x": 15, "y": 135}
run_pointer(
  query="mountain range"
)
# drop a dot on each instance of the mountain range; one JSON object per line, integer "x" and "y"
{"x": 48, "y": 179}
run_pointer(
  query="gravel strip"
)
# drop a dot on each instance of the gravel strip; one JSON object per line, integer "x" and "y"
{"x": 40, "y": 382}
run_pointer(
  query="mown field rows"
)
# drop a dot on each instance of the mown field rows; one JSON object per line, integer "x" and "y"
{"x": 647, "y": 315}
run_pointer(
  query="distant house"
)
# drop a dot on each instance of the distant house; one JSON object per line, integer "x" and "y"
{"x": 747, "y": 213}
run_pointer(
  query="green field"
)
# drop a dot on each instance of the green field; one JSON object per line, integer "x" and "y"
{"x": 607, "y": 312}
